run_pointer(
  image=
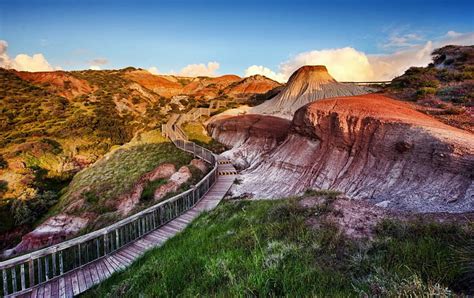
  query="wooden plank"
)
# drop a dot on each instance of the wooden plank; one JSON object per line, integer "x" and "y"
{"x": 123, "y": 260}
{"x": 47, "y": 290}
{"x": 68, "y": 289}
{"x": 156, "y": 240}
{"x": 62, "y": 287}
{"x": 100, "y": 273}
{"x": 117, "y": 262}
{"x": 93, "y": 271}
{"x": 112, "y": 264}
{"x": 81, "y": 280}
{"x": 104, "y": 269}
{"x": 41, "y": 291}
{"x": 75, "y": 283}
{"x": 87, "y": 277}
{"x": 34, "y": 292}
{"x": 117, "y": 266}
{"x": 130, "y": 253}
{"x": 109, "y": 266}
{"x": 54, "y": 288}
{"x": 126, "y": 258}
{"x": 140, "y": 245}
{"x": 135, "y": 249}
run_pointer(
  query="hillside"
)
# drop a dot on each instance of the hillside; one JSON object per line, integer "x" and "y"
{"x": 443, "y": 89}
{"x": 292, "y": 247}
{"x": 56, "y": 124}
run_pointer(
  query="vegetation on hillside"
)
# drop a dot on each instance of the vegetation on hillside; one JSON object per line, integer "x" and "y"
{"x": 269, "y": 248}
{"x": 196, "y": 132}
{"x": 449, "y": 78}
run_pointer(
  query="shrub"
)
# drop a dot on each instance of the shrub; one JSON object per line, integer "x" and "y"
{"x": 149, "y": 190}
{"x": 425, "y": 91}
{"x": 29, "y": 211}
{"x": 3, "y": 163}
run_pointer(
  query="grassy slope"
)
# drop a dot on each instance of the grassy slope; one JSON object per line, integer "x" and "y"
{"x": 266, "y": 248}
{"x": 197, "y": 133}
{"x": 117, "y": 172}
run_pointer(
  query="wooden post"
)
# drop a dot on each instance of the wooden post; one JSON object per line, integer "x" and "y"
{"x": 117, "y": 238}
{"x": 40, "y": 270}
{"x": 53, "y": 256}
{"x": 61, "y": 263}
{"x": 31, "y": 271}
{"x": 22, "y": 276}
{"x": 13, "y": 271}
{"x": 105, "y": 244}
{"x": 79, "y": 254}
{"x": 46, "y": 268}
{"x": 5, "y": 282}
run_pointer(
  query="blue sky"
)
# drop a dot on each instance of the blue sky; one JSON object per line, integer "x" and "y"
{"x": 169, "y": 35}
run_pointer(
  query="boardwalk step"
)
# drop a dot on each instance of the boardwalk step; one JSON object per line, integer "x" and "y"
{"x": 227, "y": 173}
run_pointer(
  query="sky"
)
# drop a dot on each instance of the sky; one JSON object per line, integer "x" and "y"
{"x": 356, "y": 40}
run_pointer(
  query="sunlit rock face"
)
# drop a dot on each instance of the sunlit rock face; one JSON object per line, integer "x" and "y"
{"x": 307, "y": 84}
{"x": 370, "y": 147}
{"x": 249, "y": 136}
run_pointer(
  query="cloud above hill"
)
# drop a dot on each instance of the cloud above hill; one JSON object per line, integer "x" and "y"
{"x": 192, "y": 70}
{"x": 96, "y": 64}
{"x": 349, "y": 64}
{"x": 23, "y": 62}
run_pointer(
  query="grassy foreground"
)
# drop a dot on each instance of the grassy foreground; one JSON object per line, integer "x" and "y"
{"x": 266, "y": 248}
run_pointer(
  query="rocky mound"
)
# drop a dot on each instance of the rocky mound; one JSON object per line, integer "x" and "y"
{"x": 256, "y": 84}
{"x": 60, "y": 82}
{"x": 250, "y": 136}
{"x": 158, "y": 84}
{"x": 370, "y": 147}
{"x": 307, "y": 84}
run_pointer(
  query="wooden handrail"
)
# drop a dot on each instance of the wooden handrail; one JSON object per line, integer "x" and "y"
{"x": 23, "y": 272}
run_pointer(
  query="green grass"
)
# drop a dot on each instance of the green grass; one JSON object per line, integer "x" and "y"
{"x": 197, "y": 133}
{"x": 266, "y": 248}
{"x": 149, "y": 190}
{"x": 116, "y": 173}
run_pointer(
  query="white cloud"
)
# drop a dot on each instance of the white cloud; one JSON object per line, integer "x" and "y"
{"x": 262, "y": 70}
{"x": 405, "y": 40}
{"x": 99, "y": 61}
{"x": 95, "y": 67}
{"x": 23, "y": 62}
{"x": 192, "y": 70}
{"x": 154, "y": 70}
{"x": 348, "y": 64}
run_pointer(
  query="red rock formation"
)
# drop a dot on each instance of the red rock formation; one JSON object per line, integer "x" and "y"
{"x": 370, "y": 147}
{"x": 307, "y": 84}
{"x": 250, "y": 136}
{"x": 55, "y": 229}
{"x": 59, "y": 82}
{"x": 256, "y": 84}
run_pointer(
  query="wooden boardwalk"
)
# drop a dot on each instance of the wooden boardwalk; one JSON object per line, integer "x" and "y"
{"x": 83, "y": 278}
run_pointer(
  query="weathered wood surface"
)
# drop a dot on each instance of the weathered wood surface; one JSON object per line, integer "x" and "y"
{"x": 82, "y": 279}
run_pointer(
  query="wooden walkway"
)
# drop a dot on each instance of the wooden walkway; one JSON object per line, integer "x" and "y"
{"x": 83, "y": 278}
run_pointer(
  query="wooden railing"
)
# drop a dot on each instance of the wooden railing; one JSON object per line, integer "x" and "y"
{"x": 23, "y": 272}
{"x": 381, "y": 83}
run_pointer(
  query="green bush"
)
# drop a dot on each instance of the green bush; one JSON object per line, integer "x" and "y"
{"x": 425, "y": 91}
{"x": 3, "y": 163}
{"x": 149, "y": 190}
{"x": 29, "y": 211}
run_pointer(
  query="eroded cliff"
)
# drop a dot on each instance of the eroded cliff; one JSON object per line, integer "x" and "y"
{"x": 370, "y": 147}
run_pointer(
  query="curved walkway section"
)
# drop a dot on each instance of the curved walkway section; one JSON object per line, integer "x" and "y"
{"x": 71, "y": 267}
